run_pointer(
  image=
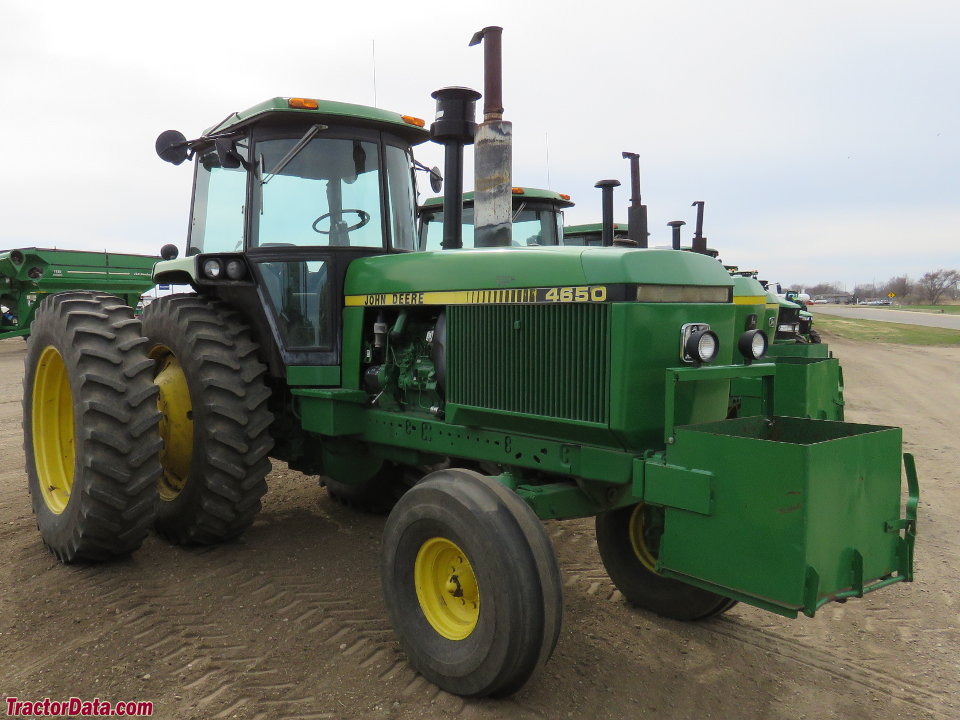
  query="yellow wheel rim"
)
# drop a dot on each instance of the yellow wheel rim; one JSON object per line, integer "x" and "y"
{"x": 52, "y": 424}
{"x": 176, "y": 423}
{"x": 447, "y": 588}
{"x": 637, "y": 530}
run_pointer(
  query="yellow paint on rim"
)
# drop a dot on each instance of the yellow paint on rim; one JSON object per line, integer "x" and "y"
{"x": 447, "y": 588}
{"x": 52, "y": 423}
{"x": 176, "y": 422}
{"x": 638, "y": 540}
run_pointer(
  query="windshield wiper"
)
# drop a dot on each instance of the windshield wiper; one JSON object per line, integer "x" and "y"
{"x": 294, "y": 151}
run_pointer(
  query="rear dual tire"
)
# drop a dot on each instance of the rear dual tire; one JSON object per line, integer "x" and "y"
{"x": 90, "y": 421}
{"x": 215, "y": 423}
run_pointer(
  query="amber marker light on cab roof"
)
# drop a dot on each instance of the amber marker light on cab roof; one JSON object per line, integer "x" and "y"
{"x": 517, "y": 191}
{"x": 303, "y": 104}
{"x": 564, "y": 196}
{"x": 411, "y": 120}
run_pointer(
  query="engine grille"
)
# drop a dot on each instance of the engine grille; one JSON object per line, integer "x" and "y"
{"x": 548, "y": 360}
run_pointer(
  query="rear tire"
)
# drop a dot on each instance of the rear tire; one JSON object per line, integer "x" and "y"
{"x": 471, "y": 584}
{"x": 628, "y": 543}
{"x": 90, "y": 423}
{"x": 815, "y": 336}
{"x": 377, "y": 495}
{"x": 215, "y": 420}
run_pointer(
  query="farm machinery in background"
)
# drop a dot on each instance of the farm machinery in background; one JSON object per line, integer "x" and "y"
{"x": 516, "y": 384}
{"x": 27, "y": 275}
{"x": 810, "y": 379}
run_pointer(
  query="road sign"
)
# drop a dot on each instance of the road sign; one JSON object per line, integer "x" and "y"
{"x": 891, "y": 295}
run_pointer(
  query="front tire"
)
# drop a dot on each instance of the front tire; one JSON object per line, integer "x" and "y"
{"x": 215, "y": 425}
{"x": 628, "y": 540}
{"x": 90, "y": 423}
{"x": 471, "y": 584}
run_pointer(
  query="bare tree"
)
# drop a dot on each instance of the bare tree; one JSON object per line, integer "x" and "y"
{"x": 933, "y": 285}
{"x": 899, "y": 286}
{"x": 825, "y": 288}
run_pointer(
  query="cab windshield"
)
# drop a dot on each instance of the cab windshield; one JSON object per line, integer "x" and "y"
{"x": 333, "y": 191}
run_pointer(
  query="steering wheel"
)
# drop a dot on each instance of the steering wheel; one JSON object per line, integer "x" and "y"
{"x": 364, "y": 219}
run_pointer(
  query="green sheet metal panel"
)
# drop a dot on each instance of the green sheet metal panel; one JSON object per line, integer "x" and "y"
{"x": 788, "y": 497}
{"x": 804, "y": 350}
{"x": 807, "y": 387}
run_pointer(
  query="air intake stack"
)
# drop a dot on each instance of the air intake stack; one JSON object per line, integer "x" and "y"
{"x": 606, "y": 209}
{"x": 454, "y": 128}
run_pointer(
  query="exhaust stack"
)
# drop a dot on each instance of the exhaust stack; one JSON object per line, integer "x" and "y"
{"x": 699, "y": 241}
{"x": 637, "y": 212}
{"x": 493, "y": 163}
{"x": 606, "y": 209}
{"x": 454, "y": 128}
{"x": 676, "y": 225}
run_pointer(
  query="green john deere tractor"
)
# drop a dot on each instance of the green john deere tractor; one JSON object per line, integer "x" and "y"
{"x": 521, "y": 383}
{"x": 537, "y": 219}
{"x": 27, "y": 275}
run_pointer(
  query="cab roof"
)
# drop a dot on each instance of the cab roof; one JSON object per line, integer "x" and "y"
{"x": 408, "y": 127}
{"x": 519, "y": 193}
{"x": 591, "y": 228}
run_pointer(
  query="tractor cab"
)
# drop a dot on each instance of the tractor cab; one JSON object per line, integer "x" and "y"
{"x": 537, "y": 219}
{"x": 286, "y": 195}
{"x": 591, "y": 234}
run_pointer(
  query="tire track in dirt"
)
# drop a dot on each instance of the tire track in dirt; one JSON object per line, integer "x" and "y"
{"x": 591, "y": 579}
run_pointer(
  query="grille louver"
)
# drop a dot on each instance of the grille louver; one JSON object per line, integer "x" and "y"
{"x": 547, "y": 360}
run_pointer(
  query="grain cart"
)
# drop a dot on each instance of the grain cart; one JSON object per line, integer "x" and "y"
{"x": 537, "y": 218}
{"x": 521, "y": 383}
{"x": 27, "y": 275}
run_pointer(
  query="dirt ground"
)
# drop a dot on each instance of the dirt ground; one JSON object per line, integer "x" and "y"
{"x": 288, "y": 622}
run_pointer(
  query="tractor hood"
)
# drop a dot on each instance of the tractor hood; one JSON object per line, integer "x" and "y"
{"x": 515, "y": 268}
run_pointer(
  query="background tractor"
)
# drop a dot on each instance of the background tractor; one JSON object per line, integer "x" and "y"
{"x": 537, "y": 219}
{"x": 516, "y": 383}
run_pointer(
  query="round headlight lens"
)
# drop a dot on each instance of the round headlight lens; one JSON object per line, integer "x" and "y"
{"x": 236, "y": 269}
{"x": 753, "y": 344}
{"x": 212, "y": 268}
{"x": 707, "y": 346}
{"x": 702, "y": 346}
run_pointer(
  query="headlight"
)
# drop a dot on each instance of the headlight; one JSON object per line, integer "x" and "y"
{"x": 212, "y": 268}
{"x": 787, "y": 328}
{"x": 753, "y": 345}
{"x": 699, "y": 343}
{"x": 236, "y": 269}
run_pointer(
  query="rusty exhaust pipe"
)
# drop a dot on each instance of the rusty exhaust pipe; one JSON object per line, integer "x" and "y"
{"x": 493, "y": 162}
{"x": 637, "y": 212}
{"x": 699, "y": 241}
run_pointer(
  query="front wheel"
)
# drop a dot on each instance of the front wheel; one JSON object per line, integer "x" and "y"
{"x": 629, "y": 541}
{"x": 471, "y": 584}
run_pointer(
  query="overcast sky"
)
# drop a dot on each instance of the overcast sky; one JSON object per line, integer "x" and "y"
{"x": 823, "y": 136}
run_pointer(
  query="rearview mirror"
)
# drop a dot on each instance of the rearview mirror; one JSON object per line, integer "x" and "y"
{"x": 172, "y": 146}
{"x": 436, "y": 179}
